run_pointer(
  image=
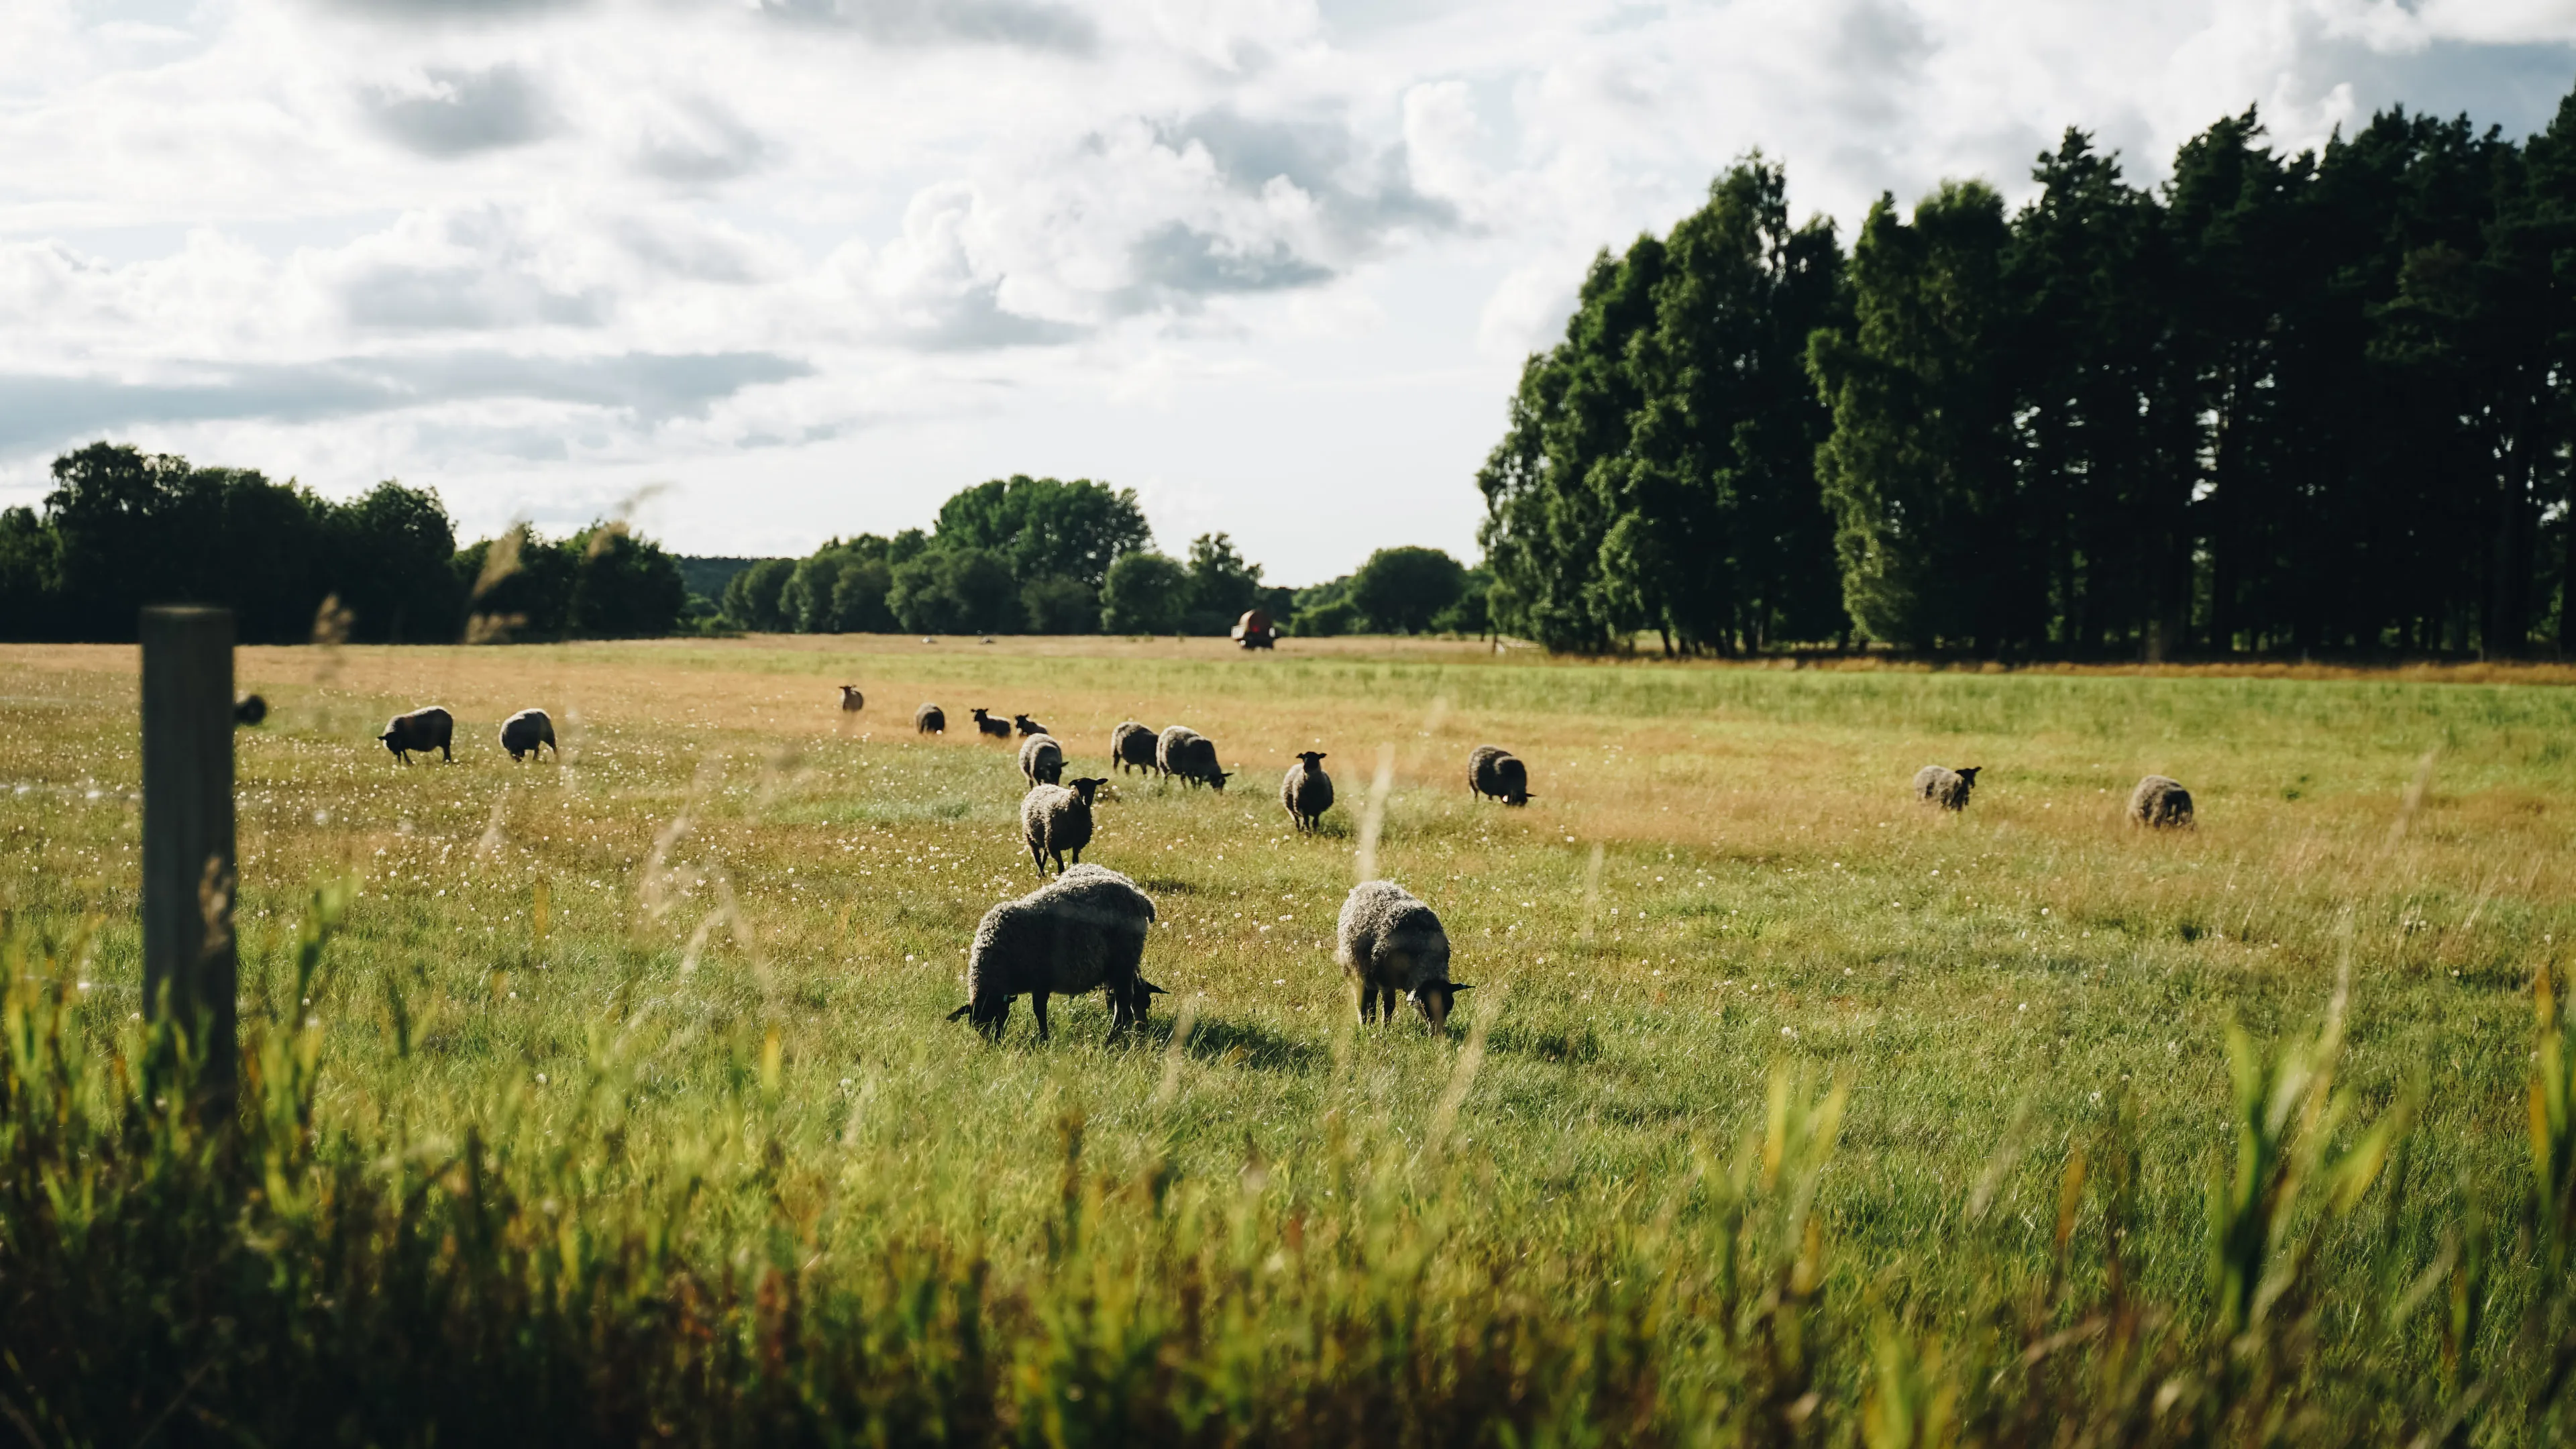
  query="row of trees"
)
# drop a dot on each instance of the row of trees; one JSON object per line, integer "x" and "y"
{"x": 2323, "y": 401}
{"x": 122, "y": 528}
{"x": 1014, "y": 555}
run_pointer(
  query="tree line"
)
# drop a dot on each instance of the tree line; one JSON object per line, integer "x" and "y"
{"x": 2279, "y": 403}
{"x": 1046, "y": 556}
{"x": 122, "y": 528}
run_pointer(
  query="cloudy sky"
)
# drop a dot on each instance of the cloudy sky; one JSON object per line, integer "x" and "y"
{"x": 790, "y": 268}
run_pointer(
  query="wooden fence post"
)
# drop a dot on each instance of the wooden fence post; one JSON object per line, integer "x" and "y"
{"x": 189, "y": 964}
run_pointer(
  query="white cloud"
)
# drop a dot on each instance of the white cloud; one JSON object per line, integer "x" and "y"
{"x": 822, "y": 261}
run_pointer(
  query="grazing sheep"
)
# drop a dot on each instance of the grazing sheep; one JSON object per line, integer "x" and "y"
{"x": 250, "y": 709}
{"x": 1027, "y": 726}
{"x": 425, "y": 729}
{"x": 1131, "y": 747}
{"x": 1080, "y": 932}
{"x": 527, "y": 731}
{"x": 989, "y": 727}
{"x": 1185, "y": 752}
{"x": 930, "y": 719}
{"x": 851, "y": 700}
{"x": 1495, "y": 771}
{"x": 1945, "y": 787}
{"x": 2160, "y": 802}
{"x": 1056, "y": 821}
{"x": 1042, "y": 760}
{"x": 1306, "y": 790}
{"x": 1391, "y": 945}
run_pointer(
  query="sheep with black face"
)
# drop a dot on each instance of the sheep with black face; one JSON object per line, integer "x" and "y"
{"x": 1042, "y": 760}
{"x": 425, "y": 729}
{"x": 1392, "y": 945}
{"x": 1083, "y": 931}
{"x": 1306, "y": 792}
{"x": 1945, "y": 787}
{"x": 528, "y": 732}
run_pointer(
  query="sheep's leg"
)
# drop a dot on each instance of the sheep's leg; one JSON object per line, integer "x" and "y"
{"x": 1037, "y": 1003}
{"x": 1367, "y": 1001}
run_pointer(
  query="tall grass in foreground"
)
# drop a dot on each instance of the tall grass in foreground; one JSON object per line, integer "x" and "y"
{"x": 297, "y": 1279}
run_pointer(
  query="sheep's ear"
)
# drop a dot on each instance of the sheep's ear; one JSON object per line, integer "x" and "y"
{"x": 1457, "y": 986}
{"x": 1150, "y": 988}
{"x": 961, "y": 1011}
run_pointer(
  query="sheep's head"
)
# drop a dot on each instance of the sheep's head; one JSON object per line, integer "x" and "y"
{"x": 980, "y": 715}
{"x": 1084, "y": 788}
{"x": 1434, "y": 999}
{"x": 1311, "y": 757}
{"x": 1216, "y": 778}
{"x": 1970, "y": 774}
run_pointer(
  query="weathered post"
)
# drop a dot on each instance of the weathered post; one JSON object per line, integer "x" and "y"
{"x": 189, "y": 967}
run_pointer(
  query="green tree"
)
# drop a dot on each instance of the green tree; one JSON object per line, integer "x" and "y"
{"x": 752, "y": 598}
{"x": 390, "y": 566}
{"x": 29, "y": 584}
{"x": 1918, "y": 468}
{"x": 1401, "y": 590}
{"x": 1222, "y": 584}
{"x": 1046, "y": 528}
{"x": 1058, "y": 605}
{"x": 1657, "y": 470}
{"x": 952, "y": 590}
{"x": 624, "y": 586}
{"x": 1145, "y": 593}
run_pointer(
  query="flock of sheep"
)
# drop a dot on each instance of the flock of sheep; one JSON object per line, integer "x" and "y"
{"x": 1085, "y": 929}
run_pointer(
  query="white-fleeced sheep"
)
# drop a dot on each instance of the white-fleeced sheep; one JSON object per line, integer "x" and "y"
{"x": 1042, "y": 760}
{"x": 1945, "y": 787}
{"x": 1495, "y": 771}
{"x": 425, "y": 729}
{"x": 527, "y": 731}
{"x": 851, "y": 700}
{"x": 1185, "y": 752}
{"x": 1306, "y": 792}
{"x": 2160, "y": 802}
{"x": 1390, "y": 944}
{"x": 1056, "y": 821}
{"x": 930, "y": 719}
{"x": 1083, "y": 931}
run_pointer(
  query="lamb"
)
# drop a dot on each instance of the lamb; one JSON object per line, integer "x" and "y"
{"x": 1042, "y": 760}
{"x": 1185, "y": 752}
{"x": 989, "y": 727}
{"x": 1080, "y": 932}
{"x": 1025, "y": 725}
{"x": 851, "y": 700}
{"x": 1947, "y": 788}
{"x": 528, "y": 731}
{"x": 2160, "y": 802}
{"x": 425, "y": 729}
{"x": 1495, "y": 771}
{"x": 1131, "y": 747}
{"x": 1306, "y": 790}
{"x": 930, "y": 719}
{"x": 1391, "y": 945}
{"x": 1056, "y": 821}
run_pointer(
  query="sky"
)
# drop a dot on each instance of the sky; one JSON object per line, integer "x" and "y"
{"x": 760, "y": 272}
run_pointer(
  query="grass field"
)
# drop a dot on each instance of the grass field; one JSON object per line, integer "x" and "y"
{"x": 1782, "y": 1108}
